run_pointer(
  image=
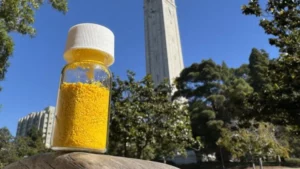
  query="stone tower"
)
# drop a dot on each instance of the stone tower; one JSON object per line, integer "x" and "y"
{"x": 163, "y": 46}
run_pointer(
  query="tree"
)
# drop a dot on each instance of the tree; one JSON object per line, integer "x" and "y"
{"x": 281, "y": 96}
{"x": 255, "y": 142}
{"x": 237, "y": 93}
{"x": 31, "y": 144}
{"x": 279, "y": 101}
{"x": 242, "y": 71}
{"x": 13, "y": 149}
{"x": 258, "y": 66}
{"x": 145, "y": 123}
{"x": 280, "y": 19}
{"x": 200, "y": 85}
{"x": 5, "y": 137}
{"x": 289, "y": 136}
{"x": 259, "y": 79}
{"x": 216, "y": 99}
{"x": 7, "y": 149}
{"x": 18, "y": 16}
{"x": 22, "y": 147}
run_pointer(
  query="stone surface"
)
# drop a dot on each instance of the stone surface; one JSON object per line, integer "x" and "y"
{"x": 78, "y": 160}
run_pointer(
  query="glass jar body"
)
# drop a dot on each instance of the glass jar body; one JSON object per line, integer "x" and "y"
{"x": 82, "y": 113}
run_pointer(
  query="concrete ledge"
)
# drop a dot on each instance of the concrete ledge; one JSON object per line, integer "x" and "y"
{"x": 78, "y": 160}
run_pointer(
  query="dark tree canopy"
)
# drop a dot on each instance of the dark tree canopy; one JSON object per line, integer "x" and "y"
{"x": 281, "y": 19}
{"x": 279, "y": 100}
{"x": 18, "y": 16}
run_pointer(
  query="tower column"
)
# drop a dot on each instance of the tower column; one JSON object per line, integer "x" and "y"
{"x": 163, "y": 46}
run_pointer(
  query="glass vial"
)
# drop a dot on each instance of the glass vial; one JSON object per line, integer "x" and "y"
{"x": 82, "y": 113}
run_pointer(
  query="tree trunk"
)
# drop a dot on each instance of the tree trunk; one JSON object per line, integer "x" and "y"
{"x": 140, "y": 149}
{"x": 279, "y": 161}
{"x": 125, "y": 146}
{"x": 253, "y": 165}
{"x": 139, "y": 152}
{"x": 221, "y": 154}
{"x": 261, "y": 164}
{"x": 253, "y": 162}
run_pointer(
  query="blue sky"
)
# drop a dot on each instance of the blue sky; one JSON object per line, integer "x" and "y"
{"x": 209, "y": 29}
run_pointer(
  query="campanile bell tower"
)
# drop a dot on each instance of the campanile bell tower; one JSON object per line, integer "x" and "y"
{"x": 163, "y": 46}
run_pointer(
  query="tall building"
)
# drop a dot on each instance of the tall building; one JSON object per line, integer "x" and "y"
{"x": 163, "y": 46}
{"x": 42, "y": 120}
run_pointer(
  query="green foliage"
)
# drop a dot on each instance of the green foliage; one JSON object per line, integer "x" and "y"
{"x": 7, "y": 148}
{"x": 280, "y": 97}
{"x": 216, "y": 97}
{"x": 256, "y": 141}
{"x": 283, "y": 93}
{"x": 18, "y": 16}
{"x": 292, "y": 162}
{"x": 31, "y": 144}
{"x": 5, "y": 137}
{"x": 6, "y": 49}
{"x": 144, "y": 122}
{"x": 258, "y": 66}
{"x": 281, "y": 20}
{"x": 242, "y": 71}
{"x": 200, "y": 84}
{"x": 13, "y": 149}
{"x": 288, "y": 136}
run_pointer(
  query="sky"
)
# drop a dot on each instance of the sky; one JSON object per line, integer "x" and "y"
{"x": 209, "y": 29}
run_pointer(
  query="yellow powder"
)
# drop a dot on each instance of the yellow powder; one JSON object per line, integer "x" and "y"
{"x": 79, "y": 55}
{"x": 82, "y": 116}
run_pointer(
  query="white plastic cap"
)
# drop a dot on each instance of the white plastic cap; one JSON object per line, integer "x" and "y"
{"x": 91, "y": 36}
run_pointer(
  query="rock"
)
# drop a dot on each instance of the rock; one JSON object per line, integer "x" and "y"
{"x": 78, "y": 160}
